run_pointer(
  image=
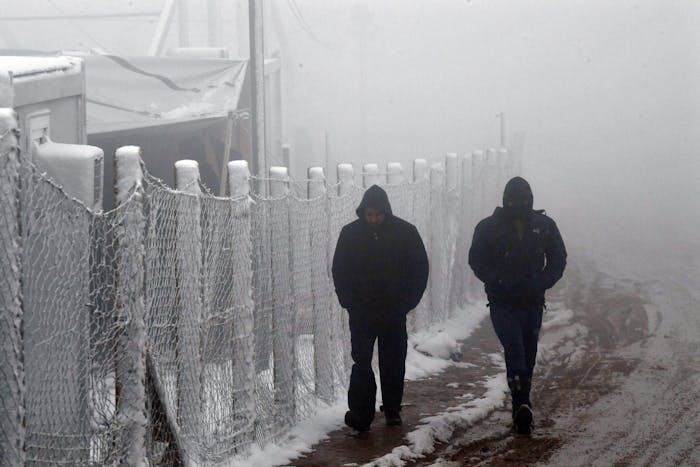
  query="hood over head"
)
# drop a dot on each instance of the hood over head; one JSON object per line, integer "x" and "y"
{"x": 517, "y": 198}
{"x": 374, "y": 197}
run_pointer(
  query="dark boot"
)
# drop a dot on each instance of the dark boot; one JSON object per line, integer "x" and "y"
{"x": 515, "y": 386}
{"x": 521, "y": 409}
{"x": 392, "y": 417}
{"x": 356, "y": 421}
{"x": 522, "y": 421}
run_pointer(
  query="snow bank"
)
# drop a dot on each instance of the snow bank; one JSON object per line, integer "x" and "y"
{"x": 440, "y": 427}
{"x": 433, "y": 350}
{"x": 430, "y": 352}
{"x": 300, "y": 440}
{"x": 437, "y": 345}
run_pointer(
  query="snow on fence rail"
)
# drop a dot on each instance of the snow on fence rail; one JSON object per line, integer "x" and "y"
{"x": 183, "y": 327}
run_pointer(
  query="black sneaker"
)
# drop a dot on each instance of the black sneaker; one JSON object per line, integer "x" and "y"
{"x": 393, "y": 418}
{"x": 356, "y": 422}
{"x": 522, "y": 421}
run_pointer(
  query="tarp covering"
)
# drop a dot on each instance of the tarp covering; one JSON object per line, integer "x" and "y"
{"x": 137, "y": 92}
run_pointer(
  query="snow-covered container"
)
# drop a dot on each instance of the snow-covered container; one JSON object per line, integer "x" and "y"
{"x": 48, "y": 94}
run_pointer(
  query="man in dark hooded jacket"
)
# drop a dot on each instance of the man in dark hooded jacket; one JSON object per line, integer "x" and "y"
{"x": 380, "y": 270}
{"x": 518, "y": 253}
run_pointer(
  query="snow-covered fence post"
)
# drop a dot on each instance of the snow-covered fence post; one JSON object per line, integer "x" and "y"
{"x": 420, "y": 170}
{"x": 454, "y": 268}
{"x": 131, "y": 361}
{"x": 12, "y": 427}
{"x": 494, "y": 183}
{"x": 466, "y": 220}
{"x": 451, "y": 172}
{"x": 346, "y": 184}
{"x": 438, "y": 281}
{"x": 320, "y": 287}
{"x": 243, "y": 321}
{"x": 346, "y": 179}
{"x": 421, "y": 214}
{"x": 190, "y": 311}
{"x": 239, "y": 179}
{"x": 394, "y": 173}
{"x": 506, "y": 163}
{"x": 283, "y": 319}
{"x": 370, "y": 175}
{"x": 478, "y": 183}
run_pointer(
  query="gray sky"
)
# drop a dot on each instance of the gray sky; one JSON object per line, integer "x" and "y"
{"x": 606, "y": 94}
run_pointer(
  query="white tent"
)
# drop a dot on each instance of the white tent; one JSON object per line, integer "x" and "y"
{"x": 173, "y": 107}
{"x": 136, "y": 92}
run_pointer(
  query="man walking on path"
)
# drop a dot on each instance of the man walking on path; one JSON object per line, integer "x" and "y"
{"x": 518, "y": 254}
{"x": 380, "y": 270}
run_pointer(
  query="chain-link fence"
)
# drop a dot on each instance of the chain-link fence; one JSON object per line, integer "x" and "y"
{"x": 182, "y": 328}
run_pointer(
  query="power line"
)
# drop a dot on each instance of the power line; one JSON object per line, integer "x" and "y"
{"x": 303, "y": 24}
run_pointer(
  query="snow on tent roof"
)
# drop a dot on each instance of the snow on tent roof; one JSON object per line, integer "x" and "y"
{"x": 34, "y": 65}
{"x": 136, "y": 92}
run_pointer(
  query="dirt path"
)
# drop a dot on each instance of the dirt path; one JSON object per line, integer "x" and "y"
{"x": 580, "y": 370}
{"x": 616, "y": 386}
{"x": 421, "y": 398}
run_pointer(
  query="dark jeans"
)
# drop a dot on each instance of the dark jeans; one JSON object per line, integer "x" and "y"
{"x": 391, "y": 338}
{"x": 518, "y": 329}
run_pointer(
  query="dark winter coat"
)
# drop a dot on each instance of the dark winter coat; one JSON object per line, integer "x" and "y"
{"x": 517, "y": 271}
{"x": 379, "y": 270}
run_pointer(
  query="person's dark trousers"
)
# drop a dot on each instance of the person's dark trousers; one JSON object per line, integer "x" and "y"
{"x": 518, "y": 329}
{"x": 391, "y": 338}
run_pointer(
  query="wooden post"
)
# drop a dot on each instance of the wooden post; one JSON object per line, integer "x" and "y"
{"x": 131, "y": 366}
{"x": 370, "y": 175}
{"x": 451, "y": 172}
{"x": 395, "y": 173}
{"x": 190, "y": 312}
{"x": 346, "y": 179}
{"x": 243, "y": 385}
{"x": 320, "y": 286}
{"x": 12, "y": 419}
{"x": 283, "y": 320}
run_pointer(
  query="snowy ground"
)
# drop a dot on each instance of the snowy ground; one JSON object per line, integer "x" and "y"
{"x": 430, "y": 352}
{"x": 616, "y": 383}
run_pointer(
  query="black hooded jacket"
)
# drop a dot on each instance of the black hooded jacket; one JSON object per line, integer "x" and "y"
{"x": 381, "y": 270}
{"x": 517, "y": 252}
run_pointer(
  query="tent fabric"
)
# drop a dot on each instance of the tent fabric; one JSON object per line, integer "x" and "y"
{"x": 124, "y": 93}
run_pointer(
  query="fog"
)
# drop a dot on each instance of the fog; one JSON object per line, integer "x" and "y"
{"x": 601, "y": 96}
{"x": 605, "y": 96}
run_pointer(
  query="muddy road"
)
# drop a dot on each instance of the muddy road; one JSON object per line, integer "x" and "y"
{"x": 617, "y": 383}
